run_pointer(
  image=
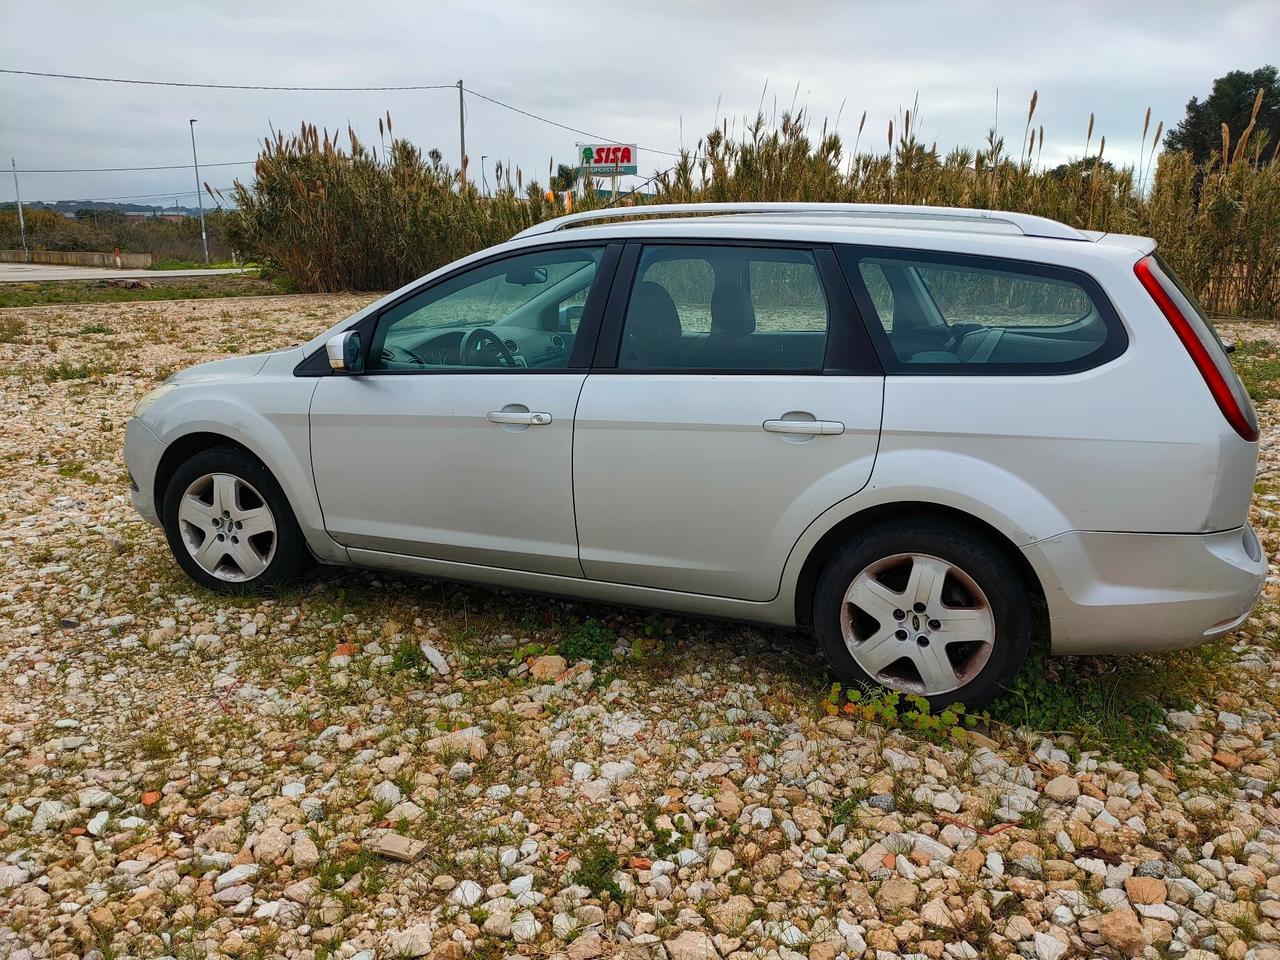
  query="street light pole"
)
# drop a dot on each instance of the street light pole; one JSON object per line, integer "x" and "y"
{"x": 22, "y": 224}
{"x": 484, "y": 183}
{"x": 204, "y": 239}
{"x": 462, "y": 139}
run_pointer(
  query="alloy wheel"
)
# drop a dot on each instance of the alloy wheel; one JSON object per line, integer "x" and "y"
{"x": 917, "y": 623}
{"x": 227, "y": 527}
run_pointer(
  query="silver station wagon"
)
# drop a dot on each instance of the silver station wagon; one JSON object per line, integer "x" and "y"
{"x": 903, "y": 427}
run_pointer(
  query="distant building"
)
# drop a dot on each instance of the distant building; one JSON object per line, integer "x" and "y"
{"x": 150, "y": 215}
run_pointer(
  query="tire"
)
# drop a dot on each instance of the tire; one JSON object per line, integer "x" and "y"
{"x": 230, "y": 526}
{"x": 872, "y": 632}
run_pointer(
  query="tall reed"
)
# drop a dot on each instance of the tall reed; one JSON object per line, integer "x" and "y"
{"x": 337, "y": 219}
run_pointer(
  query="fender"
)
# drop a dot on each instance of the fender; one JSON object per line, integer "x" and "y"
{"x": 268, "y": 416}
{"x": 975, "y": 487}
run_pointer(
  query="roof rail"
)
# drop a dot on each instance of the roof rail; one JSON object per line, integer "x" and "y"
{"x": 1028, "y": 224}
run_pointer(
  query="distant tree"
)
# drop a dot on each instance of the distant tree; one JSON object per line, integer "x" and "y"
{"x": 565, "y": 178}
{"x": 1084, "y": 168}
{"x": 1231, "y": 102}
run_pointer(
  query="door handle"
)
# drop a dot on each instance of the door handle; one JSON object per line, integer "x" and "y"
{"x": 822, "y": 428}
{"x": 525, "y": 418}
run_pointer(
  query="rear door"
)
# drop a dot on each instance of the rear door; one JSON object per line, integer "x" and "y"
{"x": 734, "y": 397}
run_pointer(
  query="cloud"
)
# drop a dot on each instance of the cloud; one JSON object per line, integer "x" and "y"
{"x": 659, "y": 74}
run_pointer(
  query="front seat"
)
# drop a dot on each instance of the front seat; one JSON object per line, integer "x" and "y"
{"x": 733, "y": 320}
{"x": 653, "y": 328}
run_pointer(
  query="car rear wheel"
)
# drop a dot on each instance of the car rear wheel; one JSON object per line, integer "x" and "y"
{"x": 926, "y": 608}
{"x": 229, "y": 525}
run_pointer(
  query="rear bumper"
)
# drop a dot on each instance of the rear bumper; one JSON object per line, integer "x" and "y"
{"x": 142, "y": 452}
{"x": 1136, "y": 592}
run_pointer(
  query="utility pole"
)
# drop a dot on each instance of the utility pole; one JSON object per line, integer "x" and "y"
{"x": 462, "y": 138}
{"x": 199, "y": 199}
{"x": 484, "y": 183}
{"x": 22, "y": 224}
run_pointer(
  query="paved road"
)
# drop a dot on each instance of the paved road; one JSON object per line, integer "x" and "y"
{"x": 28, "y": 272}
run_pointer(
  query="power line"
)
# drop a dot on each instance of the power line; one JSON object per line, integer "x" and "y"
{"x": 534, "y": 116}
{"x": 225, "y": 86}
{"x": 165, "y": 195}
{"x": 249, "y": 86}
{"x": 176, "y": 166}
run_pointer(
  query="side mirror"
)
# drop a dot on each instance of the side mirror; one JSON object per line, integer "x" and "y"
{"x": 345, "y": 353}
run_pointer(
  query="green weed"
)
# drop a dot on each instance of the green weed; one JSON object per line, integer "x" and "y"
{"x": 589, "y": 640}
{"x": 599, "y": 863}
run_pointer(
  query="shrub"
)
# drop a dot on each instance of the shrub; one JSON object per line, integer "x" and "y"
{"x": 335, "y": 219}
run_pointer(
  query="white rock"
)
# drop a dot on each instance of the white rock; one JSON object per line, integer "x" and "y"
{"x": 853, "y": 936}
{"x": 615, "y": 772}
{"x": 414, "y": 942}
{"x": 48, "y": 814}
{"x": 386, "y": 793}
{"x": 236, "y": 875}
{"x": 12, "y": 875}
{"x": 899, "y": 761}
{"x": 721, "y": 863}
{"x": 524, "y": 927}
{"x": 562, "y": 925}
{"x": 521, "y": 884}
{"x": 1048, "y": 948}
{"x": 435, "y": 657}
{"x": 466, "y": 894}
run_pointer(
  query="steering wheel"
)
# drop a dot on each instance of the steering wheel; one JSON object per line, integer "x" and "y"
{"x": 477, "y": 340}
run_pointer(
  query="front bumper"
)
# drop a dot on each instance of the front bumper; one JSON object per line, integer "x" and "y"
{"x": 142, "y": 452}
{"x": 1137, "y": 592}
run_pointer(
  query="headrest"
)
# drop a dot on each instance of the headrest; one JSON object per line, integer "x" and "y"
{"x": 731, "y": 311}
{"x": 652, "y": 316}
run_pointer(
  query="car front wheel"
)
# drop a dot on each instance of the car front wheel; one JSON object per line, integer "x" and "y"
{"x": 229, "y": 525}
{"x": 927, "y": 608}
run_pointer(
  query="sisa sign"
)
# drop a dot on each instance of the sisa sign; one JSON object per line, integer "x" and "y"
{"x": 607, "y": 159}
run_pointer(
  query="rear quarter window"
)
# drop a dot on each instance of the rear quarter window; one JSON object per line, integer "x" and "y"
{"x": 958, "y": 314}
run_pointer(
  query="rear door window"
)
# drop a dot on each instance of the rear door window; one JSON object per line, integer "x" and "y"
{"x": 952, "y": 313}
{"x": 725, "y": 309}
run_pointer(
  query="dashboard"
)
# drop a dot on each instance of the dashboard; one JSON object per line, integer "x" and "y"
{"x": 501, "y": 345}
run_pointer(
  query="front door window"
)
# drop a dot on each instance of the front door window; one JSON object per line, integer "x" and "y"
{"x": 521, "y": 312}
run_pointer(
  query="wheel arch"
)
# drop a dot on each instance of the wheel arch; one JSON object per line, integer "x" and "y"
{"x": 183, "y": 449}
{"x": 849, "y": 528}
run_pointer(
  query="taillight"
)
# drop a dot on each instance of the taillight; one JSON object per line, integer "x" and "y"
{"x": 1214, "y": 379}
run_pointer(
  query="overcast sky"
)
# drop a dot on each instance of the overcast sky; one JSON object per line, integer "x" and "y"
{"x": 651, "y": 73}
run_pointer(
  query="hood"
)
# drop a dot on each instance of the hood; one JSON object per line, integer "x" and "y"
{"x": 232, "y": 368}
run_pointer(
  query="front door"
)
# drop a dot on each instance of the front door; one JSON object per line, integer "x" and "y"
{"x": 745, "y": 401}
{"x": 456, "y": 442}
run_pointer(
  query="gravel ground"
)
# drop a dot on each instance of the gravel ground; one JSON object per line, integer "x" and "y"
{"x": 377, "y": 767}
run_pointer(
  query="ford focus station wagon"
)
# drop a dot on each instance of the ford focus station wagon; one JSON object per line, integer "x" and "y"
{"x": 899, "y": 426}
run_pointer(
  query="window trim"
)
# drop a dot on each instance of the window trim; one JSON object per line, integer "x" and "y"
{"x": 851, "y": 255}
{"x": 584, "y": 341}
{"x": 848, "y": 352}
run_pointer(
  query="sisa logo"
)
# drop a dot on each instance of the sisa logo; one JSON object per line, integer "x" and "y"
{"x": 615, "y": 155}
